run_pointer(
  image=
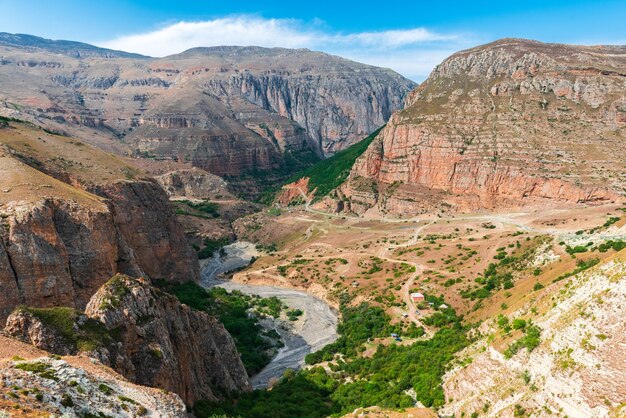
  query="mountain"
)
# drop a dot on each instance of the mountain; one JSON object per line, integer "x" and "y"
{"x": 69, "y": 48}
{"x": 508, "y": 124}
{"x": 228, "y": 110}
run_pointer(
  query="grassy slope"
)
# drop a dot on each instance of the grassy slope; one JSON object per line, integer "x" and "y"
{"x": 328, "y": 174}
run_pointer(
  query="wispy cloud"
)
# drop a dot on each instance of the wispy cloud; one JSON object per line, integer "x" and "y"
{"x": 412, "y": 52}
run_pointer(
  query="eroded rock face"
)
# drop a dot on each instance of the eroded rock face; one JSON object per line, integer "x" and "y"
{"x": 144, "y": 334}
{"x": 166, "y": 344}
{"x": 228, "y": 110}
{"x": 64, "y": 233}
{"x": 510, "y": 123}
{"x": 578, "y": 368}
{"x": 194, "y": 184}
{"x": 59, "y": 252}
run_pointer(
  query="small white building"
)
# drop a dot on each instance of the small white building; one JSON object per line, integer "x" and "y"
{"x": 443, "y": 306}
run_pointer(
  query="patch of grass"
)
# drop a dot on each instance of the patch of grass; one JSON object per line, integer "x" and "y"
{"x": 117, "y": 290}
{"x": 530, "y": 341}
{"x": 40, "y": 368}
{"x": 106, "y": 389}
{"x": 89, "y": 336}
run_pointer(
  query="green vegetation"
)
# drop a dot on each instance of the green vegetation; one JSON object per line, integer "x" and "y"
{"x": 328, "y": 174}
{"x": 107, "y": 390}
{"x": 355, "y": 381}
{"x": 67, "y": 401}
{"x": 88, "y": 336}
{"x": 304, "y": 394}
{"x": 210, "y": 246}
{"x": 358, "y": 324}
{"x": 581, "y": 265}
{"x": 117, "y": 289}
{"x": 232, "y": 310}
{"x": 294, "y": 314}
{"x": 500, "y": 275}
{"x": 614, "y": 245}
{"x": 38, "y": 367}
{"x": 577, "y": 249}
{"x": 530, "y": 340}
{"x": 204, "y": 209}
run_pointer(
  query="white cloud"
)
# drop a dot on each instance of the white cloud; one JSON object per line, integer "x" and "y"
{"x": 412, "y": 52}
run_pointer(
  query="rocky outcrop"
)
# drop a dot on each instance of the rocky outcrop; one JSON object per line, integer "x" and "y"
{"x": 227, "y": 110}
{"x": 166, "y": 344}
{"x": 194, "y": 184}
{"x": 144, "y": 334}
{"x": 511, "y": 123}
{"x": 578, "y": 368}
{"x": 55, "y": 387}
{"x": 63, "y": 233}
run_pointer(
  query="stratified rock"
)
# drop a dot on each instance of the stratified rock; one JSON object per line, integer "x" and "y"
{"x": 194, "y": 184}
{"x": 166, "y": 344}
{"x": 510, "y": 123}
{"x": 69, "y": 223}
{"x": 227, "y": 110}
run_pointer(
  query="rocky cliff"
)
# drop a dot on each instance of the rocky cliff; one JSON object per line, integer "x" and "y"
{"x": 510, "y": 123}
{"x": 147, "y": 336}
{"x": 228, "y": 110}
{"x": 72, "y": 216}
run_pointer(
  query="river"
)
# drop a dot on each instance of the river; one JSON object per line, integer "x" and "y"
{"x": 316, "y": 328}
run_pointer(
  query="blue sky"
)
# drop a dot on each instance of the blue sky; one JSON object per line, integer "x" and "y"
{"x": 409, "y": 37}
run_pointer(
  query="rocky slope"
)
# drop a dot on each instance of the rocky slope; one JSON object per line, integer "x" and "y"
{"x": 511, "y": 123}
{"x": 576, "y": 371}
{"x": 152, "y": 340}
{"x": 72, "y": 216}
{"x": 57, "y": 388}
{"x": 228, "y": 110}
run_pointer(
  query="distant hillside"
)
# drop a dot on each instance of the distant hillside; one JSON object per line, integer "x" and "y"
{"x": 70, "y": 48}
{"x": 246, "y": 113}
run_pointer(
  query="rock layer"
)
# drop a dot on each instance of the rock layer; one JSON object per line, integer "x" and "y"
{"x": 228, "y": 110}
{"x": 510, "y": 123}
{"x": 147, "y": 336}
{"x": 61, "y": 240}
{"x": 166, "y": 344}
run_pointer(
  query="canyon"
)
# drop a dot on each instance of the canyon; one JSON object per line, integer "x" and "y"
{"x": 227, "y": 110}
{"x": 467, "y": 259}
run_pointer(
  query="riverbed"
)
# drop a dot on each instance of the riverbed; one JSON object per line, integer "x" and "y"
{"x": 316, "y": 328}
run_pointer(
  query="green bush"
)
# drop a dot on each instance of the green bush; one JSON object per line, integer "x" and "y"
{"x": 232, "y": 310}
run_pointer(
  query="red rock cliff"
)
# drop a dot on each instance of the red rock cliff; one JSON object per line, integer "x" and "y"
{"x": 511, "y": 123}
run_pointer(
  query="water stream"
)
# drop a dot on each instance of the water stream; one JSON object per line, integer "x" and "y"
{"x": 316, "y": 328}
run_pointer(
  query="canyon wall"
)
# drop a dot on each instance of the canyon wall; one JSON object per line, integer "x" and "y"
{"x": 68, "y": 223}
{"x": 507, "y": 124}
{"x": 228, "y": 110}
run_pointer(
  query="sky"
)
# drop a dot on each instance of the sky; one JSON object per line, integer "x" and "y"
{"x": 410, "y": 37}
